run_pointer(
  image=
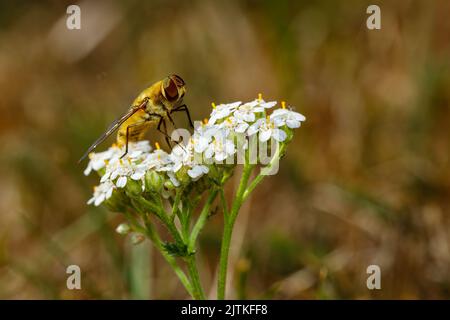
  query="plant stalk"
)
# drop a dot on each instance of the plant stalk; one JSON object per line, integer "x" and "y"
{"x": 228, "y": 231}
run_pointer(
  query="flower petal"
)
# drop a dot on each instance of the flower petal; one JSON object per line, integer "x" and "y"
{"x": 99, "y": 199}
{"x": 241, "y": 127}
{"x": 297, "y": 116}
{"x": 249, "y": 117}
{"x": 279, "y": 135}
{"x": 121, "y": 182}
{"x": 264, "y": 135}
{"x": 268, "y": 104}
{"x": 138, "y": 175}
{"x": 209, "y": 152}
{"x": 253, "y": 128}
{"x": 293, "y": 124}
{"x": 109, "y": 192}
{"x": 88, "y": 170}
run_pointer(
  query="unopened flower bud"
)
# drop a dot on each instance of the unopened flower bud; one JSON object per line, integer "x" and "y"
{"x": 172, "y": 183}
{"x": 169, "y": 185}
{"x": 153, "y": 181}
{"x": 117, "y": 202}
{"x": 137, "y": 238}
{"x": 134, "y": 188}
{"x": 182, "y": 176}
{"x": 123, "y": 229}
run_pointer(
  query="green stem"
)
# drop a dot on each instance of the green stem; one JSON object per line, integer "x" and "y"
{"x": 253, "y": 185}
{"x": 185, "y": 221}
{"x": 224, "y": 202}
{"x": 228, "y": 230}
{"x": 163, "y": 216}
{"x": 256, "y": 181}
{"x": 201, "y": 221}
{"x": 190, "y": 260}
{"x": 195, "y": 278}
{"x": 151, "y": 233}
{"x": 176, "y": 204}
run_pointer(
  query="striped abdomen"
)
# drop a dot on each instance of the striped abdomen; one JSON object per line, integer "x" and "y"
{"x": 138, "y": 126}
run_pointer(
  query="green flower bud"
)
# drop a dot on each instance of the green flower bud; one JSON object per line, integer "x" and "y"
{"x": 153, "y": 181}
{"x": 169, "y": 185}
{"x": 172, "y": 182}
{"x": 133, "y": 188}
{"x": 182, "y": 176}
{"x": 117, "y": 202}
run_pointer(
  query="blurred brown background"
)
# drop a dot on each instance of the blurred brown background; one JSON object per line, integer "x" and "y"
{"x": 365, "y": 181}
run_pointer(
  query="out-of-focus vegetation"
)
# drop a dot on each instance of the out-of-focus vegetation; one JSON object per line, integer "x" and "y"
{"x": 366, "y": 181}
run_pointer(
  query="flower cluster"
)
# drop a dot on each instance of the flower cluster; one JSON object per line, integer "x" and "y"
{"x": 209, "y": 152}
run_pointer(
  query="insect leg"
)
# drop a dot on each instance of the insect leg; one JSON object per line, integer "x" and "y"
{"x": 185, "y": 109}
{"x": 137, "y": 124}
{"x": 171, "y": 120}
{"x": 162, "y": 122}
{"x": 166, "y": 136}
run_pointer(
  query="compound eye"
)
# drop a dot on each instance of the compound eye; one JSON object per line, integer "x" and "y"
{"x": 171, "y": 90}
{"x": 178, "y": 80}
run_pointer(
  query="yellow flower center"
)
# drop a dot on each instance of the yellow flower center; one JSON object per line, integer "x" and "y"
{"x": 157, "y": 146}
{"x": 268, "y": 124}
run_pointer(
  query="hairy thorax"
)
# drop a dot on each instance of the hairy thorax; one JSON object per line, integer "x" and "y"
{"x": 157, "y": 108}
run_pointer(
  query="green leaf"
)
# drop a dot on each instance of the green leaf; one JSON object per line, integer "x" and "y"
{"x": 176, "y": 249}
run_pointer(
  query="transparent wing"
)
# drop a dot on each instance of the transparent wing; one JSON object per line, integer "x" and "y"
{"x": 112, "y": 127}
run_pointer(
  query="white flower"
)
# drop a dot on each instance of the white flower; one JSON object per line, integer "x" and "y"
{"x": 99, "y": 160}
{"x": 233, "y": 124}
{"x": 101, "y": 193}
{"x": 223, "y": 110}
{"x": 156, "y": 160}
{"x": 200, "y": 142}
{"x": 220, "y": 147}
{"x": 121, "y": 182}
{"x": 217, "y": 138}
{"x": 202, "y": 136}
{"x": 246, "y": 112}
{"x": 180, "y": 156}
{"x": 287, "y": 117}
{"x": 173, "y": 179}
{"x": 197, "y": 171}
{"x": 268, "y": 105}
{"x": 122, "y": 170}
{"x": 138, "y": 149}
{"x": 266, "y": 129}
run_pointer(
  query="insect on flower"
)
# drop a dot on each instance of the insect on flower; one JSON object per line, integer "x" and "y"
{"x": 151, "y": 108}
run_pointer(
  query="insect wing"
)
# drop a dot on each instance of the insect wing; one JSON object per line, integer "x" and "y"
{"x": 112, "y": 127}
